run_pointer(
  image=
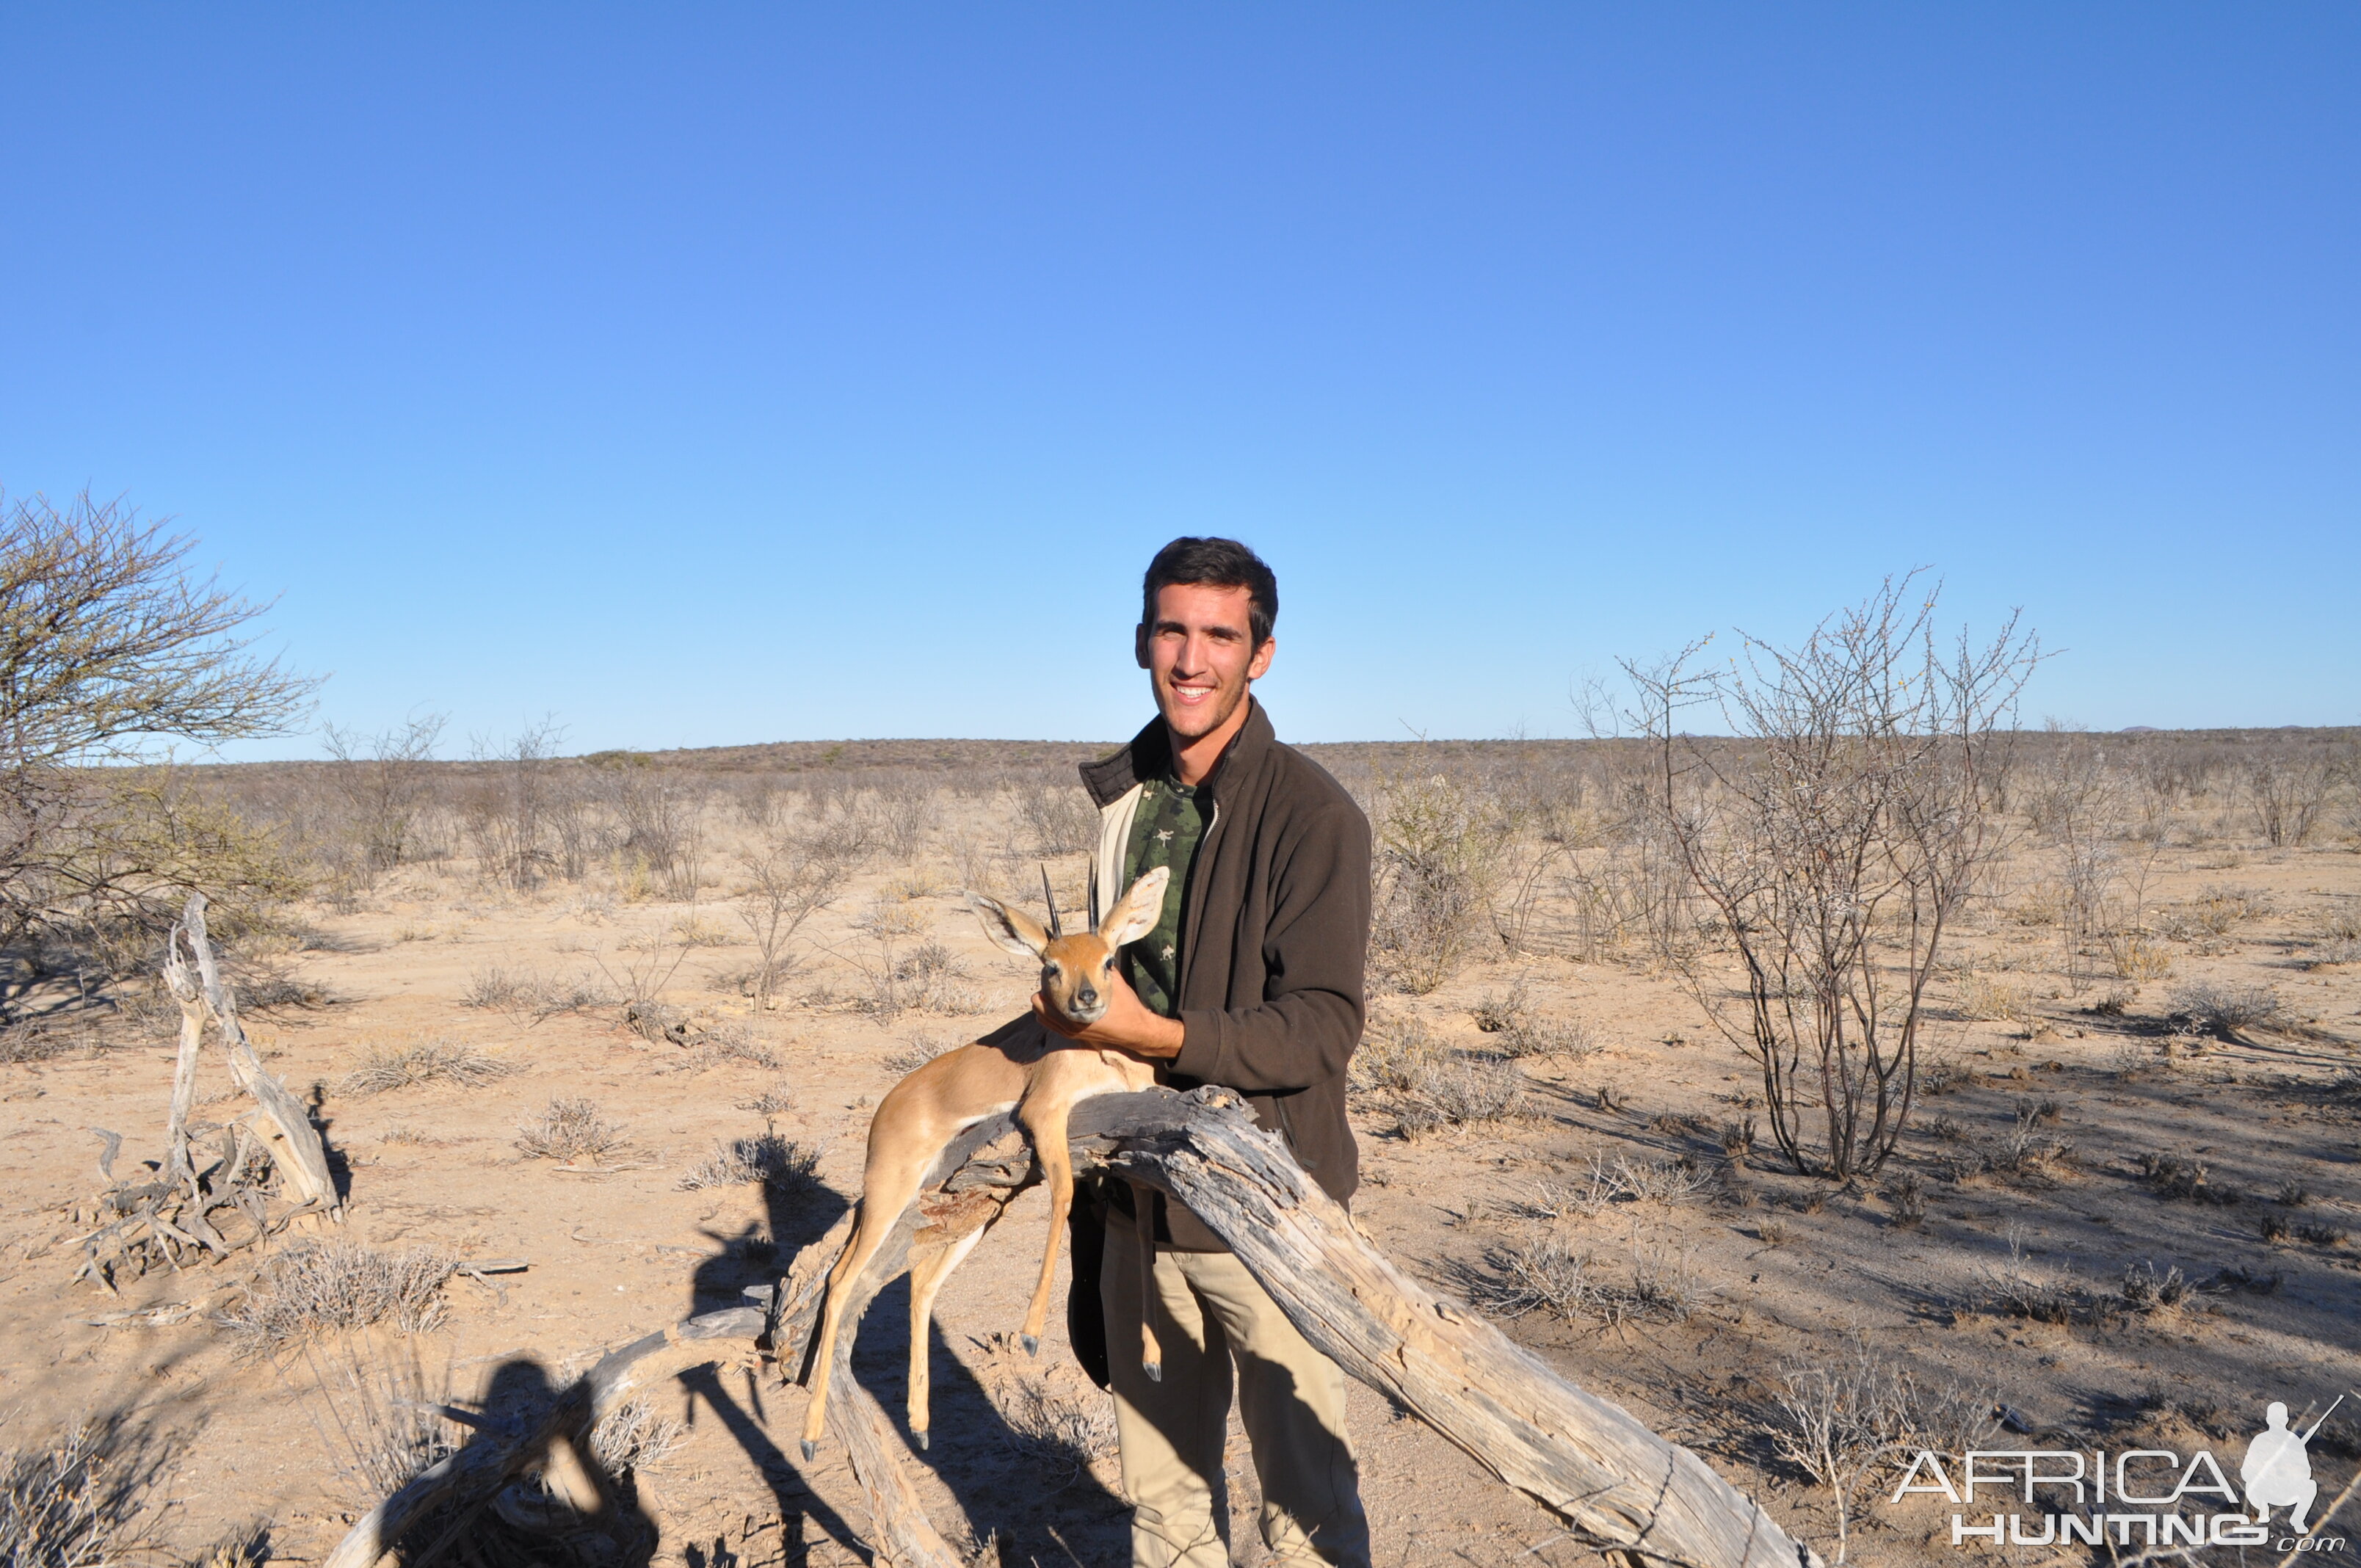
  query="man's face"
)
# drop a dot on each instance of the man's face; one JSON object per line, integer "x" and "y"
{"x": 1199, "y": 655}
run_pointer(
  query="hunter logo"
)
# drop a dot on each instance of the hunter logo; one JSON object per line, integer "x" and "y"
{"x": 2141, "y": 1498}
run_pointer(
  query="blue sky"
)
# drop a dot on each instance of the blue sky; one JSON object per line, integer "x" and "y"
{"x": 713, "y": 375}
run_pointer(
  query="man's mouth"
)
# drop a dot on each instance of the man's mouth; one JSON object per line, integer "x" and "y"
{"x": 1192, "y": 696}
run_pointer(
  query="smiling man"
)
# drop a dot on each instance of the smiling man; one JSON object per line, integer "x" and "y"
{"x": 1252, "y": 979}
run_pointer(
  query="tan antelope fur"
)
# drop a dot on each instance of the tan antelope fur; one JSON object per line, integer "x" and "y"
{"x": 921, "y": 1114}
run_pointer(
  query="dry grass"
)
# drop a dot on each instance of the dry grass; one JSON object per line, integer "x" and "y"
{"x": 1841, "y": 1424}
{"x": 632, "y": 1436}
{"x": 1619, "y": 1180}
{"x": 917, "y": 1050}
{"x": 528, "y": 992}
{"x": 1540, "y": 1273}
{"x": 337, "y": 1286}
{"x": 387, "y": 1067}
{"x": 1459, "y": 1094}
{"x": 1517, "y": 1028}
{"x": 766, "y": 1159}
{"x": 2223, "y": 1010}
{"x": 570, "y": 1131}
{"x": 71, "y": 1502}
{"x": 381, "y": 1416}
{"x": 1055, "y": 1429}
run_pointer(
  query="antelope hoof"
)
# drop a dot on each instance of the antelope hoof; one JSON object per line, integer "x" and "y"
{"x": 921, "y": 1439}
{"x": 1032, "y": 1347}
{"x": 1155, "y": 1370}
{"x": 811, "y": 1450}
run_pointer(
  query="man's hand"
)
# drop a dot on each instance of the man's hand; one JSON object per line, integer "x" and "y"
{"x": 1127, "y": 1023}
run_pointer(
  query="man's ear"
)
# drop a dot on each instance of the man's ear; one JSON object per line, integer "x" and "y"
{"x": 1012, "y": 929}
{"x": 1139, "y": 645}
{"x": 1260, "y": 664}
{"x": 1134, "y": 917}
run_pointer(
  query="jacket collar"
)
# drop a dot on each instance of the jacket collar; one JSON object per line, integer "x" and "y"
{"x": 1149, "y": 756}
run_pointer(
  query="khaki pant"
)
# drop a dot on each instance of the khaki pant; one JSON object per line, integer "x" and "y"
{"x": 1290, "y": 1399}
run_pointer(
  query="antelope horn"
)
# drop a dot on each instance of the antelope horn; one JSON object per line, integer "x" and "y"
{"x": 1056, "y": 927}
{"x": 1095, "y": 893}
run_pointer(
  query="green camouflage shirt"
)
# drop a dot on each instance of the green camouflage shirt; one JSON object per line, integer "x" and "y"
{"x": 1165, "y": 831}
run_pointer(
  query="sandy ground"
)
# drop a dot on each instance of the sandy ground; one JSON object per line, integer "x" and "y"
{"x": 1751, "y": 1274}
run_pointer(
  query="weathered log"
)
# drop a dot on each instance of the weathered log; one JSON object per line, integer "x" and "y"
{"x": 1616, "y": 1485}
{"x": 294, "y": 1143}
{"x": 184, "y": 989}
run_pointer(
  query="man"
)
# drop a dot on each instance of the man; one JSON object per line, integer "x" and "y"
{"x": 1252, "y": 980}
{"x": 2277, "y": 1471}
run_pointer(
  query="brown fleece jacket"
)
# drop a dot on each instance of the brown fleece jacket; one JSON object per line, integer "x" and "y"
{"x": 1275, "y": 925}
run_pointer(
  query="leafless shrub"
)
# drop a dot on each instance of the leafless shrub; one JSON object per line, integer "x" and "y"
{"x": 505, "y": 810}
{"x": 662, "y": 813}
{"x": 2024, "y": 1151}
{"x": 70, "y": 1502}
{"x": 1440, "y": 848}
{"x": 1907, "y": 1195}
{"x": 2136, "y": 958}
{"x": 790, "y": 880}
{"x": 570, "y": 1130}
{"x": 1982, "y": 999}
{"x": 1618, "y": 1180}
{"x": 1942, "y": 1073}
{"x": 1458, "y": 1092}
{"x": 383, "y": 780}
{"x": 1061, "y": 1430}
{"x": 2172, "y": 1178}
{"x": 1835, "y": 840}
{"x": 2288, "y": 793}
{"x": 337, "y": 1286}
{"x": 386, "y": 1417}
{"x": 903, "y": 806}
{"x": 2223, "y": 1010}
{"x": 1504, "y": 1012}
{"x": 2220, "y": 909}
{"x": 766, "y": 1159}
{"x": 917, "y": 1050}
{"x": 633, "y": 1436}
{"x": 386, "y": 1067}
{"x": 773, "y": 1101}
{"x": 1842, "y": 1424}
{"x": 2146, "y": 1292}
{"x": 1057, "y": 820}
{"x": 724, "y": 1046}
{"x": 2321, "y": 1235}
{"x": 2016, "y": 1290}
{"x": 1542, "y": 1275}
{"x": 528, "y": 993}
{"x": 2333, "y": 951}
{"x": 1396, "y": 1053}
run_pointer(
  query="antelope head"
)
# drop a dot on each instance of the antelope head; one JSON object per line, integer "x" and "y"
{"x": 1076, "y": 972}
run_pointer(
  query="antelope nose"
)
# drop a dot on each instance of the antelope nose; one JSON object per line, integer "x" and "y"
{"x": 1087, "y": 997}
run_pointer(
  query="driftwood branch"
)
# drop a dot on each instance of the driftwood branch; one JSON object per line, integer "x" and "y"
{"x": 1615, "y": 1486}
{"x": 294, "y": 1143}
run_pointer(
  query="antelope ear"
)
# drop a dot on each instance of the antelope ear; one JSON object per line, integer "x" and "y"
{"x": 1013, "y": 929}
{"x": 1134, "y": 917}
